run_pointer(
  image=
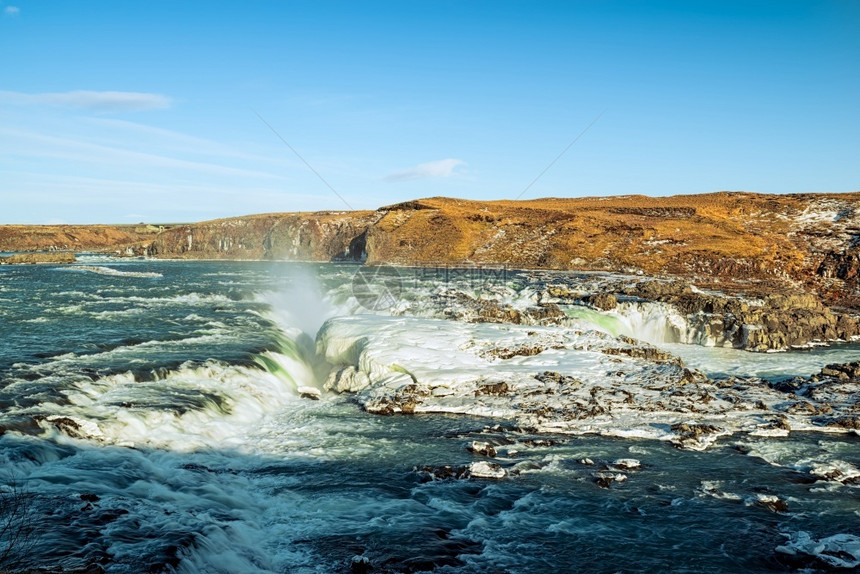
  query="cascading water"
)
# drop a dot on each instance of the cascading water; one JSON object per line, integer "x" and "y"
{"x": 654, "y": 323}
{"x": 155, "y": 416}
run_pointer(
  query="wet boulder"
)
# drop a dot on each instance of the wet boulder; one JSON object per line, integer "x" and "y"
{"x": 482, "y": 448}
{"x": 484, "y": 469}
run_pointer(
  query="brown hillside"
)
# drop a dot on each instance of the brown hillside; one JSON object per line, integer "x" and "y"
{"x": 722, "y": 238}
{"x": 73, "y": 237}
{"x": 730, "y": 240}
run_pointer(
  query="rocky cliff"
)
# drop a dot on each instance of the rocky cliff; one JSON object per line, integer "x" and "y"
{"x": 731, "y": 241}
{"x": 319, "y": 236}
{"x": 721, "y": 238}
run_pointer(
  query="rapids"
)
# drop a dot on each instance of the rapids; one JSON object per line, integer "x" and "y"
{"x": 160, "y": 416}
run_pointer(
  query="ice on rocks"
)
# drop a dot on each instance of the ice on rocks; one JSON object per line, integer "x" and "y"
{"x": 483, "y": 448}
{"x": 484, "y": 469}
{"x": 837, "y": 551}
{"x": 554, "y": 379}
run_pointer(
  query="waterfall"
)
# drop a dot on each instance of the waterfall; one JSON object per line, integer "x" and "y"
{"x": 657, "y": 323}
{"x": 654, "y": 323}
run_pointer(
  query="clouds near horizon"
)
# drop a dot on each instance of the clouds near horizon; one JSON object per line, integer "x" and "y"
{"x": 94, "y": 101}
{"x": 434, "y": 169}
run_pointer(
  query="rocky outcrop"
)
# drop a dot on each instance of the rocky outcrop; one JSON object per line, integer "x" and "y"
{"x": 31, "y": 258}
{"x": 772, "y": 322}
{"x": 603, "y": 301}
{"x": 764, "y": 322}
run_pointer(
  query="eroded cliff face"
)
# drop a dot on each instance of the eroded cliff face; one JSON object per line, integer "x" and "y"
{"x": 754, "y": 243}
{"x": 746, "y": 241}
{"x": 320, "y": 236}
{"x": 735, "y": 241}
{"x": 722, "y": 234}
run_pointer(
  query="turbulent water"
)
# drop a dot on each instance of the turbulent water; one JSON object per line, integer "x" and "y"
{"x": 158, "y": 417}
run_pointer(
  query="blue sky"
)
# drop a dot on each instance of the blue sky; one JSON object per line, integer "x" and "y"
{"x": 147, "y": 111}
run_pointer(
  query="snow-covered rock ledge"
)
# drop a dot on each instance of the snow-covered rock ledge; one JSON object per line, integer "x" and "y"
{"x": 548, "y": 379}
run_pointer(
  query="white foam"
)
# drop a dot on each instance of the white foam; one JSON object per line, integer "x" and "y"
{"x": 837, "y": 551}
{"x": 99, "y": 270}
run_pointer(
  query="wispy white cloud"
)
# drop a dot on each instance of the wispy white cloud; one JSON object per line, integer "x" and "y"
{"x": 38, "y": 145}
{"x": 105, "y": 102}
{"x": 439, "y": 168}
{"x": 11, "y": 10}
{"x": 170, "y": 139}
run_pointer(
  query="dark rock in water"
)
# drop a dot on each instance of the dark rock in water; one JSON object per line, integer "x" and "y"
{"x": 690, "y": 375}
{"x": 692, "y": 435}
{"x": 521, "y": 351}
{"x": 446, "y": 472}
{"x": 561, "y": 292}
{"x": 88, "y": 497}
{"x": 836, "y": 553}
{"x": 849, "y": 422}
{"x": 483, "y": 448}
{"x": 491, "y": 311}
{"x": 780, "y": 423}
{"x": 483, "y": 469}
{"x": 770, "y": 322}
{"x": 626, "y": 464}
{"x": 795, "y": 385}
{"x": 525, "y": 466}
{"x": 686, "y": 430}
{"x": 70, "y": 426}
{"x": 807, "y": 408}
{"x": 540, "y": 442}
{"x": 842, "y": 372}
{"x": 360, "y": 565}
{"x": 403, "y": 401}
{"x": 771, "y": 502}
{"x": 605, "y": 479}
{"x": 312, "y": 395}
